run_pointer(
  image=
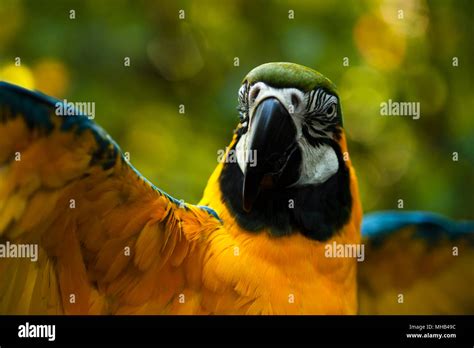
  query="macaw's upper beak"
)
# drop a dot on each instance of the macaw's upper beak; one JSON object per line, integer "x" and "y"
{"x": 272, "y": 141}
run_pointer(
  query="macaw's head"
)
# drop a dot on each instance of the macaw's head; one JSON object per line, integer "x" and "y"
{"x": 289, "y": 173}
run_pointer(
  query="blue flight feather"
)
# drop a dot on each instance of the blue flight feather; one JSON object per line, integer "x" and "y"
{"x": 428, "y": 225}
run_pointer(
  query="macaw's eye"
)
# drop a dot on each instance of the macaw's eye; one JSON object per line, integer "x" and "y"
{"x": 331, "y": 110}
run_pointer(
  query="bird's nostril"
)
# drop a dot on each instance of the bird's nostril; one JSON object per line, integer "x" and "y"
{"x": 254, "y": 94}
{"x": 294, "y": 101}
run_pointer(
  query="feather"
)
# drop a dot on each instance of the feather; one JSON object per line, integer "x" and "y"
{"x": 91, "y": 213}
{"x": 421, "y": 256}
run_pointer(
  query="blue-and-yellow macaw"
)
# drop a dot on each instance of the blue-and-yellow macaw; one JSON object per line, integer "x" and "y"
{"x": 109, "y": 241}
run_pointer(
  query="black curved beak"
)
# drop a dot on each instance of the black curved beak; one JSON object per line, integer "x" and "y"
{"x": 273, "y": 144}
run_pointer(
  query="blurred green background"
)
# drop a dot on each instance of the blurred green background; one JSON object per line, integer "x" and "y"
{"x": 192, "y": 61}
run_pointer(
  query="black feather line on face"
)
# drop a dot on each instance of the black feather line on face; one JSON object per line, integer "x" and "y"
{"x": 319, "y": 211}
{"x": 312, "y": 140}
{"x": 319, "y": 100}
{"x": 243, "y": 109}
{"x": 330, "y": 126}
{"x": 243, "y": 106}
{"x": 310, "y": 101}
{"x": 317, "y": 131}
{"x": 322, "y": 98}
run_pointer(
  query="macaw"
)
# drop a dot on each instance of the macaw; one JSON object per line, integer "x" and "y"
{"x": 110, "y": 242}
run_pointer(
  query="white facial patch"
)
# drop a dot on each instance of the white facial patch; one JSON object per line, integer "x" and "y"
{"x": 241, "y": 150}
{"x": 291, "y": 98}
{"x": 319, "y": 163}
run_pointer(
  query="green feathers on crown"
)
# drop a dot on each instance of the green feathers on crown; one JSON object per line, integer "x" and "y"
{"x": 289, "y": 75}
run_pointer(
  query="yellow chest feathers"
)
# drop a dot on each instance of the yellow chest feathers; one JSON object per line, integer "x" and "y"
{"x": 260, "y": 274}
{"x": 255, "y": 273}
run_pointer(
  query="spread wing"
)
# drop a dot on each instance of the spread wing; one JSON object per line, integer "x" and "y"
{"x": 424, "y": 257}
{"x": 107, "y": 240}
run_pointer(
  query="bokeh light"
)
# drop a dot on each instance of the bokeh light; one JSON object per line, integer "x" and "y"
{"x": 381, "y": 46}
{"x": 51, "y": 77}
{"x": 19, "y": 75}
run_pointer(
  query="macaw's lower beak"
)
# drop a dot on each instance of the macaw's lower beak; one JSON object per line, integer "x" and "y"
{"x": 272, "y": 141}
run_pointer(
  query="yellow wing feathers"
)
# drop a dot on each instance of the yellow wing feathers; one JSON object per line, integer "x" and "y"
{"x": 412, "y": 275}
{"x": 107, "y": 241}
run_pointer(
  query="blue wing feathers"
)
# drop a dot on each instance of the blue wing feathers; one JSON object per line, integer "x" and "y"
{"x": 430, "y": 226}
{"x": 36, "y": 109}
